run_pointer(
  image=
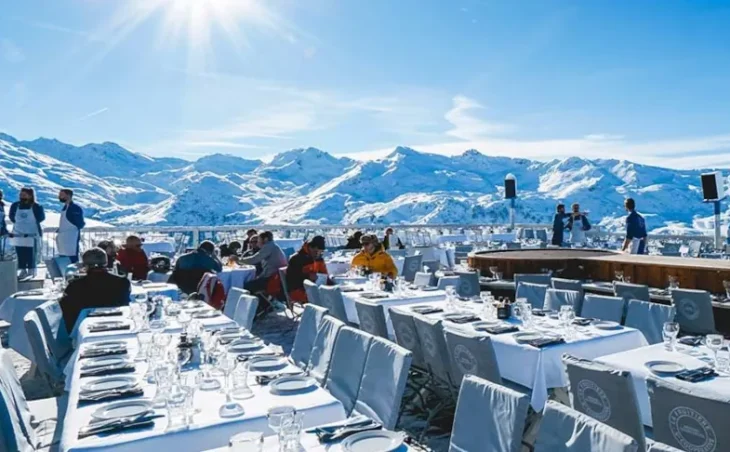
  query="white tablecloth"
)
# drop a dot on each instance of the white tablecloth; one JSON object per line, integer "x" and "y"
{"x": 412, "y": 297}
{"x": 452, "y": 238}
{"x": 13, "y": 310}
{"x": 309, "y": 443}
{"x": 209, "y": 430}
{"x": 634, "y": 361}
{"x": 236, "y": 277}
{"x": 294, "y": 244}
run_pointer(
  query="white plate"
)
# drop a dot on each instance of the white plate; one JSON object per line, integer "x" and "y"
{"x": 192, "y": 304}
{"x": 110, "y": 383}
{"x": 373, "y": 441}
{"x": 266, "y": 364}
{"x": 294, "y": 383}
{"x": 243, "y": 346}
{"x": 485, "y": 324}
{"x": 606, "y": 325}
{"x": 106, "y": 310}
{"x": 103, "y": 361}
{"x": 103, "y": 345}
{"x": 525, "y": 337}
{"x": 665, "y": 367}
{"x": 207, "y": 314}
{"x": 122, "y": 409}
{"x": 455, "y": 315}
{"x": 154, "y": 285}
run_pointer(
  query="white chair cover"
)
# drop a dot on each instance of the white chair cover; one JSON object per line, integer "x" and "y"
{"x": 383, "y": 382}
{"x": 468, "y": 284}
{"x": 232, "y": 298}
{"x": 689, "y": 418}
{"x": 649, "y": 318}
{"x": 372, "y": 318}
{"x": 446, "y": 281}
{"x": 565, "y": 430}
{"x": 411, "y": 266}
{"x": 534, "y": 278}
{"x": 570, "y": 284}
{"x": 406, "y": 335}
{"x": 312, "y": 291}
{"x": 52, "y": 269}
{"x": 306, "y": 333}
{"x": 694, "y": 311}
{"x": 629, "y": 291}
{"x": 54, "y": 329}
{"x": 331, "y": 298}
{"x": 654, "y": 446}
{"x": 488, "y": 417}
{"x": 431, "y": 266}
{"x": 324, "y": 343}
{"x": 471, "y": 354}
{"x": 603, "y": 307}
{"x": 348, "y": 363}
{"x": 555, "y": 298}
{"x": 535, "y": 293}
{"x": 285, "y": 288}
{"x": 62, "y": 262}
{"x": 423, "y": 279}
{"x": 44, "y": 361}
{"x": 16, "y": 430}
{"x": 605, "y": 394}
{"x": 246, "y": 311}
{"x": 435, "y": 354}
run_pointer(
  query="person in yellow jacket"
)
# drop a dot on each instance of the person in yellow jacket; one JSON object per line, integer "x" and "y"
{"x": 374, "y": 258}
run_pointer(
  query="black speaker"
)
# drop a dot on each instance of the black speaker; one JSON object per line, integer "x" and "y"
{"x": 510, "y": 189}
{"x": 712, "y": 188}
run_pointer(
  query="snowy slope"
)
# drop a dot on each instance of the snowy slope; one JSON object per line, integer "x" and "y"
{"x": 311, "y": 186}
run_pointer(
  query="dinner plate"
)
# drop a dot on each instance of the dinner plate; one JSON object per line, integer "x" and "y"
{"x": 107, "y": 310}
{"x": 104, "y": 345}
{"x": 244, "y": 345}
{"x": 266, "y": 364}
{"x": 110, "y": 383}
{"x": 103, "y": 361}
{"x": 528, "y": 336}
{"x": 154, "y": 285}
{"x": 292, "y": 384}
{"x": 606, "y": 325}
{"x": 428, "y": 289}
{"x": 108, "y": 323}
{"x": 207, "y": 314}
{"x": 231, "y": 335}
{"x": 126, "y": 408}
{"x": 192, "y": 304}
{"x": 372, "y": 441}
{"x": 665, "y": 367}
{"x": 485, "y": 324}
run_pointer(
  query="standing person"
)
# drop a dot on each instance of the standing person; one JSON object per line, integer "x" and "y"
{"x": 26, "y": 216}
{"x": 70, "y": 226}
{"x": 374, "y": 258}
{"x": 307, "y": 264}
{"x": 249, "y": 234}
{"x": 559, "y": 225}
{"x": 386, "y": 240}
{"x": 133, "y": 260}
{"x": 271, "y": 258}
{"x": 578, "y": 225}
{"x": 3, "y": 226}
{"x": 635, "y": 241}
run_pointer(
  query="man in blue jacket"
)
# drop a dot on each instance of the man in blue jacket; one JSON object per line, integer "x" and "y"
{"x": 26, "y": 216}
{"x": 69, "y": 227}
{"x": 635, "y": 241}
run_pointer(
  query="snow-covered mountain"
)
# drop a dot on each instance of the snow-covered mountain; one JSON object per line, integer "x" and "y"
{"x": 118, "y": 186}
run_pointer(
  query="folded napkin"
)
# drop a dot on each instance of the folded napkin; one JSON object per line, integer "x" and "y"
{"x": 105, "y": 313}
{"x": 103, "y": 328}
{"x": 107, "y": 396}
{"x": 243, "y": 357}
{"x": 118, "y": 425}
{"x": 28, "y": 293}
{"x": 264, "y": 380}
{"x": 468, "y": 298}
{"x": 467, "y": 318}
{"x": 540, "y": 312}
{"x": 345, "y": 289}
{"x": 375, "y": 296}
{"x": 545, "y": 341}
{"x": 693, "y": 341}
{"x": 696, "y": 375}
{"x": 98, "y": 352}
{"x": 109, "y": 370}
{"x": 499, "y": 329}
{"x": 582, "y": 321}
{"x": 426, "y": 310}
{"x": 338, "y": 432}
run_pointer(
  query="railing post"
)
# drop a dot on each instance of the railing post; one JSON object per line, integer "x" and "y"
{"x": 196, "y": 238}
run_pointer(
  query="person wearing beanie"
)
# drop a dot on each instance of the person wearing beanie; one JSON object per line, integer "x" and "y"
{"x": 306, "y": 264}
{"x": 373, "y": 257}
{"x": 96, "y": 289}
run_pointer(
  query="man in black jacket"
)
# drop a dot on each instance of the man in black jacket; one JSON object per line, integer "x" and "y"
{"x": 97, "y": 289}
{"x": 307, "y": 264}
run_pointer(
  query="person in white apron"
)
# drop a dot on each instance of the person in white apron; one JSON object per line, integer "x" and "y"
{"x": 3, "y": 227}
{"x": 69, "y": 227}
{"x": 578, "y": 225}
{"x": 26, "y": 217}
{"x": 635, "y": 241}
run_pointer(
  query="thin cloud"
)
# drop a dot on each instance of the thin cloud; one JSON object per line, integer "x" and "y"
{"x": 11, "y": 52}
{"x": 58, "y": 28}
{"x": 469, "y": 127}
{"x": 92, "y": 114}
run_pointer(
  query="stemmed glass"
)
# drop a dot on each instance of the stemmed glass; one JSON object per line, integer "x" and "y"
{"x": 190, "y": 381}
{"x": 184, "y": 319}
{"x": 726, "y": 285}
{"x": 208, "y": 345}
{"x": 714, "y": 342}
{"x": 144, "y": 338}
{"x": 566, "y": 317}
{"x": 229, "y": 408}
{"x": 673, "y": 283}
{"x": 527, "y": 315}
{"x": 494, "y": 270}
{"x": 619, "y": 274}
{"x": 164, "y": 375}
{"x": 670, "y": 330}
{"x": 450, "y": 298}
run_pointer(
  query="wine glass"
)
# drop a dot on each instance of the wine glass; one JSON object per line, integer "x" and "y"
{"x": 566, "y": 317}
{"x": 208, "y": 345}
{"x": 164, "y": 375}
{"x": 673, "y": 283}
{"x": 143, "y": 338}
{"x": 278, "y": 414}
{"x": 191, "y": 381}
{"x": 726, "y": 285}
{"x": 450, "y": 297}
{"x": 714, "y": 342}
{"x": 229, "y": 408}
{"x": 493, "y": 270}
{"x": 619, "y": 274}
{"x": 184, "y": 320}
{"x": 670, "y": 330}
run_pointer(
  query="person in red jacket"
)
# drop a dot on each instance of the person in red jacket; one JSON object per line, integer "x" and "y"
{"x": 306, "y": 264}
{"x": 132, "y": 258}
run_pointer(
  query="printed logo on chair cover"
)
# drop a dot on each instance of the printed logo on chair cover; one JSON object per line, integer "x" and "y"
{"x": 413, "y": 266}
{"x": 406, "y": 336}
{"x": 691, "y": 430}
{"x": 689, "y": 309}
{"x": 465, "y": 286}
{"x": 366, "y": 322}
{"x": 429, "y": 345}
{"x": 465, "y": 360}
{"x": 593, "y": 400}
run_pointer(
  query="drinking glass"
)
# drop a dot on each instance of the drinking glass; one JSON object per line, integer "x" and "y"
{"x": 164, "y": 379}
{"x": 208, "y": 345}
{"x": 143, "y": 338}
{"x": 229, "y": 408}
{"x": 714, "y": 342}
{"x": 184, "y": 319}
{"x": 527, "y": 315}
{"x": 498, "y": 276}
{"x": 726, "y": 285}
{"x": 518, "y": 308}
{"x": 190, "y": 381}
{"x": 566, "y": 316}
{"x": 176, "y": 398}
{"x": 450, "y": 298}
{"x": 670, "y": 330}
{"x": 290, "y": 433}
{"x": 157, "y": 326}
{"x": 246, "y": 442}
{"x": 277, "y": 415}
{"x": 241, "y": 391}
{"x": 627, "y": 279}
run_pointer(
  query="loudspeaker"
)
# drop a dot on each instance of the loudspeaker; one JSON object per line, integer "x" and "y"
{"x": 510, "y": 189}
{"x": 712, "y": 186}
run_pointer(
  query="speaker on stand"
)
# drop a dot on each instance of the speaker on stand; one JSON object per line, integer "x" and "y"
{"x": 713, "y": 190}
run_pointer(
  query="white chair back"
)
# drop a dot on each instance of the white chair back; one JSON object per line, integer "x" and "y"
{"x": 603, "y": 307}
{"x": 331, "y": 298}
{"x": 312, "y": 291}
{"x": 306, "y": 333}
{"x": 649, "y": 318}
{"x": 16, "y": 429}
{"x": 54, "y": 330}
{"x": 534, "y": 293}
{"x": 406, "y": 335}
{"x": 232, "y": 297}
{"x": 324, "y": 343}
{"x": 694, "y": 311}
{"x": 435, "y": 354}
{"x": 534, "y": 278}
{"x": 371, "y": 318}
{"x": 43, "y": 359}
{"x": 284, "y": 286}
{"x": 468, "y": 284}
{"x": 446, "y": 281}
{"x": 246, "y": 311}
{"x": 348, "y": 363}
{"x": 423, "y": 279}
{"x": 411, "y": 266}
{"x": 555, "y": 298}
{"x": 471, "y": 353}
{"x": 629, "y": 291}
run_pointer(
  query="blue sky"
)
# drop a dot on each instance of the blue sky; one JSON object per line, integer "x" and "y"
{"x": 645, "y": 80}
